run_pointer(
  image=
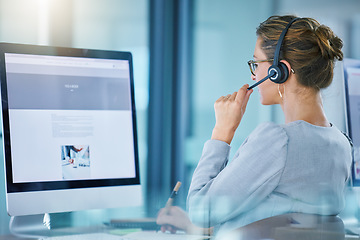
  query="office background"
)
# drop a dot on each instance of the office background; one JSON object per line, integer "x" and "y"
{"x": 186, "y": 53}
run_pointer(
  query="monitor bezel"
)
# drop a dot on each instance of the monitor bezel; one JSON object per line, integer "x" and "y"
{"x": 12, "y": 187}
{"x": 350, "y": 63}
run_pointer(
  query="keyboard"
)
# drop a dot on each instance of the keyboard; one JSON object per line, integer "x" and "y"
{"x": 143, "y": 223}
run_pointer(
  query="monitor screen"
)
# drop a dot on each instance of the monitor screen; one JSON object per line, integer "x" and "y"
{"x": 69, "y": 129}
{"x": 352, "y": 90}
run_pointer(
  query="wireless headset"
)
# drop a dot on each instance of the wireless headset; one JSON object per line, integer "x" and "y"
{"x": 277, "y": 72}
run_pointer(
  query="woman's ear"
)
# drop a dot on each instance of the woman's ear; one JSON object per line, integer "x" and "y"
{"x": 288, "y": 66}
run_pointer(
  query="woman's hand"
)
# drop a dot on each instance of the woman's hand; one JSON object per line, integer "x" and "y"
{"x": 174, "y": 218}
{"x": 229, "y": 111}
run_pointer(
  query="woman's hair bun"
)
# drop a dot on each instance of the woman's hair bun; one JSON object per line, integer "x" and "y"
{"x": 330, "y": 45}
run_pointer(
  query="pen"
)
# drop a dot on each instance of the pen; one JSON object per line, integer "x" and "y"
{"x": 172, "y": 196}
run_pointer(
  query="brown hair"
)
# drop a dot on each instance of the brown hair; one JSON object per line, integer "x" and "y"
{"x": 309, "y": 47}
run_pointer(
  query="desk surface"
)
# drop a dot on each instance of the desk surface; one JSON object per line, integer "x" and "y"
{"x": 97, "y": 229}
{"x": 137, "y": 235}
{"x": 64, "y": 231}
{"x": 10, "y": 237}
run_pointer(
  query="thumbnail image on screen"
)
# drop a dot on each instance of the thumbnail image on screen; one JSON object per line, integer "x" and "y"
{"x": 75, "y": 162}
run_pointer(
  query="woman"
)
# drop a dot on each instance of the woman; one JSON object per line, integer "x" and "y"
{"x": 299, "y": 166}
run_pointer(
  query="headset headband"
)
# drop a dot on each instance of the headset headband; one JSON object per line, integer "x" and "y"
{"x": 279, "y": 43}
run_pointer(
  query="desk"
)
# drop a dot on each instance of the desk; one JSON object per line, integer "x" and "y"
{"x": 65, "y": 231}
{"x": 281, "y": 232}
{"x": 10, "y": 237}
{"x": 138, "y": 235}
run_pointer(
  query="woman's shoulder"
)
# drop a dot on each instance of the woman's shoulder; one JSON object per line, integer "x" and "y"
{"x": 301, "y": 126}
{"x": 269, "y": 131}
{"x": 304, "y": 133}
{"x": 269, "y": 127}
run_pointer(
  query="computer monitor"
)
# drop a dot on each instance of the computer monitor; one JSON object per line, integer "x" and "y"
{"x": 352, "y": 93}
{"x": 69, "y": 129}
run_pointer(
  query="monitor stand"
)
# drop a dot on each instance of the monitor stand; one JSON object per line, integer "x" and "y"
{"x": 30, "y": 226}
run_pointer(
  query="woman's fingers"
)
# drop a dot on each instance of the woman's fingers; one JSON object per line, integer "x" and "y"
{"x": 233, "y": 96}
{"x": 247, "y": 96}
{"x": 240, "y": 96}
{"x": 168, "y": 228}
{"x": 242, "y": 93}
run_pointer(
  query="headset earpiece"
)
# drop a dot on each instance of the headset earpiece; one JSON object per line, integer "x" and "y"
{"x": 281, "y": 73}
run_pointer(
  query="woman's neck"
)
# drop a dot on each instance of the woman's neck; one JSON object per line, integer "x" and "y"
{"x": 306, "y": 106}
